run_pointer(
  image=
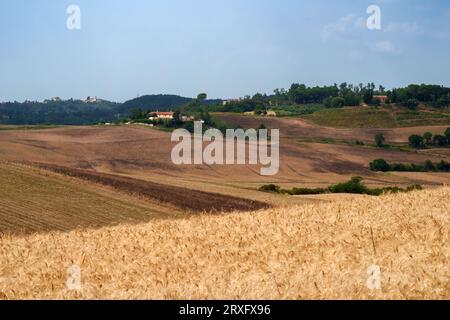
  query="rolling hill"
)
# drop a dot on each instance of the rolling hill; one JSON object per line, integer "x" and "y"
{"x": 160, "y": 102}
{"x": 109, "y": 200}
{"x": 320, "y": 251}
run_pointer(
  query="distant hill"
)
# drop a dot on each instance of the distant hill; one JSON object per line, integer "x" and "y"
{"x": 84, "y": 112}
{"x": 65, "y": 112}
{"x": 159, "y": 102}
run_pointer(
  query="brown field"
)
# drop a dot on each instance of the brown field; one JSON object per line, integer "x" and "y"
{"x": 320, "y": 251}
{"x": 135, "y": 162}
{"x": 145, "y": 154}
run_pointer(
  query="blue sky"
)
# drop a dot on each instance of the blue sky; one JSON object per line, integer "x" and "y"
{"x": 227, "y": 48}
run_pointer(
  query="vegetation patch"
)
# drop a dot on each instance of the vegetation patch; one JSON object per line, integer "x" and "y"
{"x": 354, "y": 186}
{"x": 382, "y": 165}
{"x": 428, "y": 139}
{"x": 354, "y": 118}
{"x": 378, "y": 117}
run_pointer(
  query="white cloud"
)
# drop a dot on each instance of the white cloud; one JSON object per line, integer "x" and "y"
{"x": 386, "y": 46}
{"x": 346, "y": 24}
{"x": 413, "y": 29}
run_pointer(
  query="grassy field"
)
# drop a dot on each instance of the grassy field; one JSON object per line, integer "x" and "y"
{"x": 370, "y": 117}
{"x": 320, "y": 251}
{"x": 297, "y": 110}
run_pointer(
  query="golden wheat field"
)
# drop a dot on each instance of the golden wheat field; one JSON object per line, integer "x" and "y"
{"x": 311, "y": 251}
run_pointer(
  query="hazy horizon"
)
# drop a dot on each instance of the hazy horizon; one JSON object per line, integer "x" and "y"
{"x": 227, "y": 49}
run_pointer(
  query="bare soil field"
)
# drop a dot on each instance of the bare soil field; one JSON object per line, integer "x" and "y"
{"x": 320, "y": 251}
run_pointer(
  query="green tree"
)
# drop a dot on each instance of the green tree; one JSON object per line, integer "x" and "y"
{"x": 411, "y": 104}
{"x": 202, "y": 97}
{"x": 416, "y": 141}
{"x": 379, "y": 140}
{"x": 327, "y": 102}
{"x": 429, "y": 166}
{"x": 137, "y": 114}
{"x": 440, "y": 140}
{"x": 176, "y": 121}
{"x": 379, "y": 165}
{"x": 427, "y": 137}
{"x": 447, "y": 135}
{"x": 337, "y": 102}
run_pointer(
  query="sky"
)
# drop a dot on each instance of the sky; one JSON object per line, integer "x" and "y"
{"x": 226, "y": 48}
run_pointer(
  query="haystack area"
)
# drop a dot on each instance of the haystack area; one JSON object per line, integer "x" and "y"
{"x": 310, "y": 251}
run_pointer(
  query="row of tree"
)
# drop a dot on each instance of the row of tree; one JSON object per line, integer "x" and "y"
{"x": 428, "y": 139}
{"x": 332, "y": 96}
{"x": 337, "y": 96}
{"x": 383, "y": 166}
{"x": 412, "y": 95}
{"x": 420, "y": 141}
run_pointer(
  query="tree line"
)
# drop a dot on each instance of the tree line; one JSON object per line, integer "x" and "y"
{"x": 417, "y": 141}
{"x": 428, "y": 139}
{"x": 333, "y": 96}
{"x": 338, "y": 96}
{"x": 354, "y": 186}
{"x": 382, "y": 165}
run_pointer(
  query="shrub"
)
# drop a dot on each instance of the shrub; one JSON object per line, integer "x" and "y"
{"x": 416, "y": 141}
{"x": 427, "y": 137}
{"x": 352, "y": 186}
{"x": 440, "y": 140}
{"x": 429, "y": 166}
{"x": 337, "y": 102}
{"x": 411, "y": 104}
{"x": 443, "y": 166}
{"x": 270, "y": 188}
{"x": 379, "y": 165}
{"x": 414, "y": 187}
{"x": 379, "y": 140}
{"x": 447, "y": 135}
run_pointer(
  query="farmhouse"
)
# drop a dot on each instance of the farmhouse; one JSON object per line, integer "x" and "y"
{"x": 90, "y": 99}
{"x": 382, "y": 99}
{"x": 161, "y": 115}
{"x": 229, "y": 101}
